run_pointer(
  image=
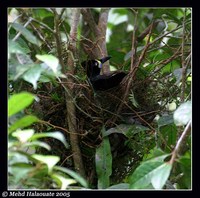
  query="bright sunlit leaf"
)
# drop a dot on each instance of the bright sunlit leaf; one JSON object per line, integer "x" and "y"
{"x": 50, "y": 60}
{"x": 183, "y": 114}
{"x": 23, "y": 122}
{"x": 23, "y": 135}
{"x": 49, "y": 160}
{"x": 57, "y": 135}
{"x": 62, "y": 181}
{"x": 160, "y": 175}
{"x": 19, "y": 102}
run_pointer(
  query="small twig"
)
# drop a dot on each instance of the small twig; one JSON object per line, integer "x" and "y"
{"x": 58, "y": 127}
{"x": 66, "y": 159}
{"x": 180, "y": 142}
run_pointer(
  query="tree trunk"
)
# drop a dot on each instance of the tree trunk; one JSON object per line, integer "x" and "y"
{"x": 71, "y": 110}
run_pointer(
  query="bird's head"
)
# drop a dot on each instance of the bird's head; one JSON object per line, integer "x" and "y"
{"x": 93, "y": 67}
{"x": 100, "y": 62}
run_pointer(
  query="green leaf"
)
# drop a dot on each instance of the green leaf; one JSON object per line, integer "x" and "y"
{"x": 23, "y": 135}
{"x": 57, "y": 135}
{"x": 37, "y": 143}
{"x": 24, "y": 59}
{"x": 23, "y": 122}
{"x": 185, "y": 166}
{"x": 14, "y": 47}
{"x": 155, "y": 152}
{"x": 49, "y": 160}
{"x": 33, "y": 75}
{"x": 73, "y": 174}
{"x": 103, "y": 161}
{"x": 120, "y": 11}
{"x": 165, "y": 120}
{"x": 178, "y": 74}
{"x": 15, "y": 157}
{"x": 120, "y": 186}
{"x": 127, "y": 129}
{"x": 169, "y": 133}
{"x": 183, "y": 114}
{"x": 133, "y": 100}
{"x": 112, "y": 68}
{"x": 160, "y": 175}
{"x": 41, "y": 13}
{"x": 143, "y": 175}
{"x": 50, "y": 60}
{"x": 26, "y": 33}
{"x": 20, "y": 171}
{"x": 62, "y": 181}
{"x": 21, "y": 69}
{"x": 128, "y": 55}
{"x": 19, "y": 102}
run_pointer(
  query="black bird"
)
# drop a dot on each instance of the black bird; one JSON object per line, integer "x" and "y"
{"x": 104, "y": 81}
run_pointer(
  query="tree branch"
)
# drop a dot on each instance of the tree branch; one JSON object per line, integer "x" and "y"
{"x": 98, "y": 49}
{"x": 180, "y": 142}
{"x": 58, "y": 38}
{"x": 88, "y": 17}
{"x": 102, "y": 26}
{"x": 146, "y": 31}
{"x": 71, "y": 108}
{"x": 103, "y": 20}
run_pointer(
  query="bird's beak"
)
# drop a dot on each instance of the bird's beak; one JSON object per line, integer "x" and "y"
{"x": 103, "y": 60}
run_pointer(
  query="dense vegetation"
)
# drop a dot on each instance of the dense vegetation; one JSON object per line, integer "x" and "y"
{"x": 65, "y": 135}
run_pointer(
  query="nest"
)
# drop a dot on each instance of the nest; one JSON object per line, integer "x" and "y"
{"x": 94, "y": 110}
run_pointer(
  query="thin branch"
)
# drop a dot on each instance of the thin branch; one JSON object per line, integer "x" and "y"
{"x": 180, "y": 142}
{"x": 146, "y": 31}
{"x": 145, "y": 49}
{"x": 58, "y": 127}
